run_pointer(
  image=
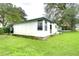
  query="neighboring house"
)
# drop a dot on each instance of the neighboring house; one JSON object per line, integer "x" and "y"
{"x": 40, "y": 27}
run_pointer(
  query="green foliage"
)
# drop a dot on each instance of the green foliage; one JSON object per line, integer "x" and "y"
{"x": 6, "y": 30}
{"x": 59, "y": 7}
{"x": 1, "y": 31}
{"x": 69, "y": 16}
{"x": 11, "y": 13}
{"x": 65, "y": 28}
{"x": 64, "y": 14}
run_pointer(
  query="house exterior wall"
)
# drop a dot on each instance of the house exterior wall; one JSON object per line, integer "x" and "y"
{"x": 30, "y": 29}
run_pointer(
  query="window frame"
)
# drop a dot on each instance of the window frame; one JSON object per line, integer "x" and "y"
{"x": 40, "y": 25}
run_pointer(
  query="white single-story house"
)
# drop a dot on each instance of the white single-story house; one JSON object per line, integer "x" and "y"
{"x": 40, "y": 27}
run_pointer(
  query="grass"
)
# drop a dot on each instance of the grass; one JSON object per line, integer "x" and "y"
{"x": 66, "y": 44}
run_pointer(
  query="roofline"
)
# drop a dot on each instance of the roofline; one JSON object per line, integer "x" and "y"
{"x": 36, "y": 19}
{"x": 39, "y": 19}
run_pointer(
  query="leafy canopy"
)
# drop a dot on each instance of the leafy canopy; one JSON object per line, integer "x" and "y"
{"x": 11, "y": 13}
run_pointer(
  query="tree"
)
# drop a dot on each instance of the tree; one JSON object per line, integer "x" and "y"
{"x": 10, "y": 13}
{"x": 69, "y": 16}
{"x": 54, "y": 10}
{"x": 63, "y": 14}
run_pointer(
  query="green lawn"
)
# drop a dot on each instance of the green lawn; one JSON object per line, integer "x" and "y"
{"x": 63, "y": 44}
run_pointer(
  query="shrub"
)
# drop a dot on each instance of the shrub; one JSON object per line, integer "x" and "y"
{"x": 6, "y": 30}
{"x": 1, "y": 30}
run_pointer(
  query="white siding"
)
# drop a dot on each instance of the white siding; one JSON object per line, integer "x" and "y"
{"x": 30, "y": 28}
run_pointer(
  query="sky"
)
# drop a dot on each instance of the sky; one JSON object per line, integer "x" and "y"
{"x": 35, "y": 8}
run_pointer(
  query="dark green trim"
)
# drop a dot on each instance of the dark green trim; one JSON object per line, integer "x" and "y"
{"x": 41, "y": 18}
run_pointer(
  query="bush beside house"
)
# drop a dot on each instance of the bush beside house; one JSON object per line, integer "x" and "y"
{"x": 1, "y": 30}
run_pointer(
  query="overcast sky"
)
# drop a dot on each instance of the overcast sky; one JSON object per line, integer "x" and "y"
{"x": 35, "y": 8}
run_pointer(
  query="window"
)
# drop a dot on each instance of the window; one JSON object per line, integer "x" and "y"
{"x": 40, "y": 25}
{"x": 45, "y": 25}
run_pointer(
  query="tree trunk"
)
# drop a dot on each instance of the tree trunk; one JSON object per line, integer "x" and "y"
{"x": 3, "y": 20}
{"x": 73, "y": 25}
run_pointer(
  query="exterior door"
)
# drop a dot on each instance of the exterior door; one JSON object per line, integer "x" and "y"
{"x": 11, "y": 29}
{"x": 50, "y": 28}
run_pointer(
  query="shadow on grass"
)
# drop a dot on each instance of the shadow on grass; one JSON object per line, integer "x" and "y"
{"x": 30, "y": 37}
